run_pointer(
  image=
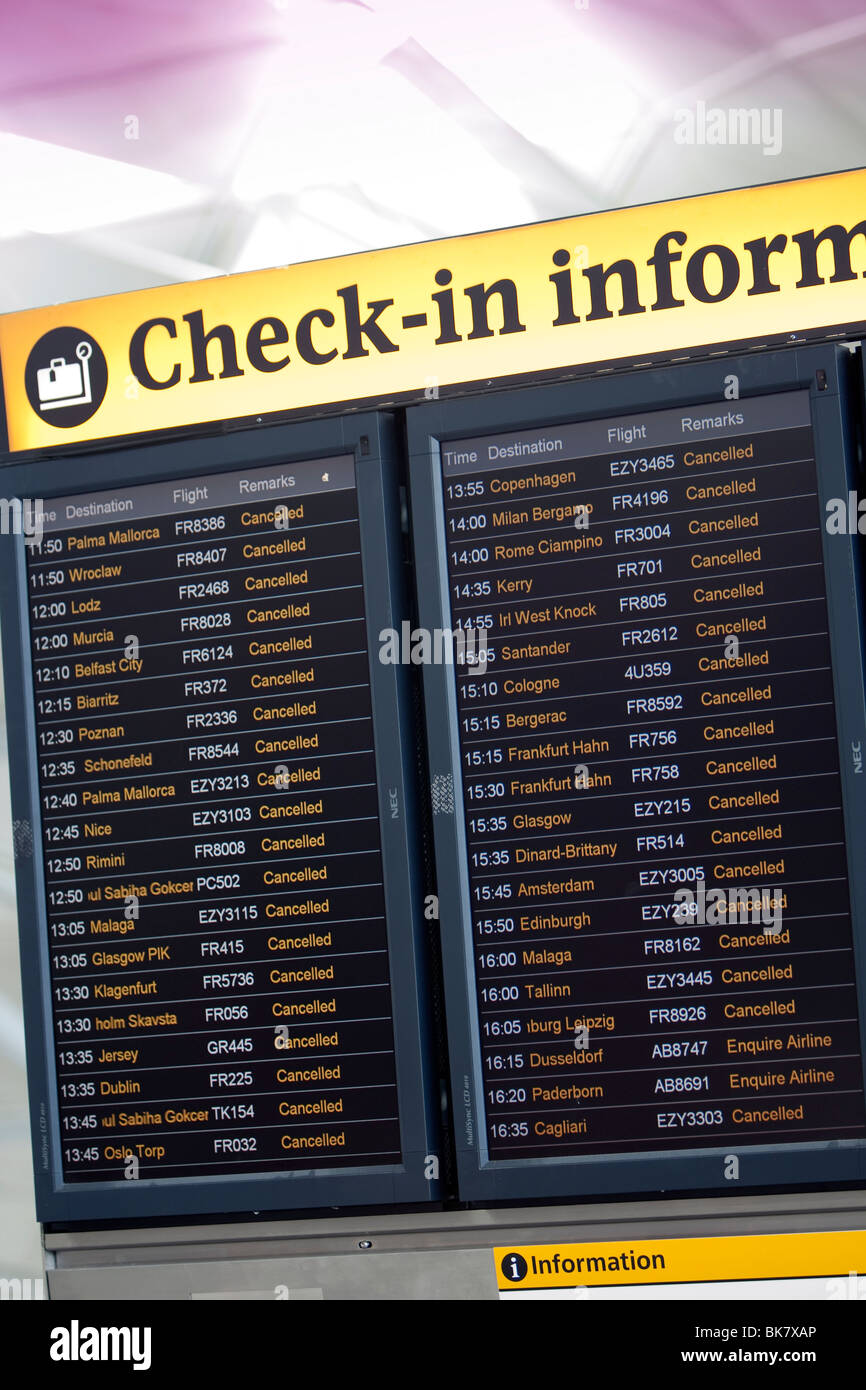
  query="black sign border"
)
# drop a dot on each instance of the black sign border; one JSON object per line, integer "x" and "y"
{"x": 828, "y": 374}
{"x": 372, "y": 440}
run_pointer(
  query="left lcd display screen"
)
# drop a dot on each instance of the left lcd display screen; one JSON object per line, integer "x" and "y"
{"x": 211, "y": 842}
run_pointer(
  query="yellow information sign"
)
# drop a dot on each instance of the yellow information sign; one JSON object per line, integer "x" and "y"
{"x": 686, "y": 1260}
{"x": 625, "y": 286}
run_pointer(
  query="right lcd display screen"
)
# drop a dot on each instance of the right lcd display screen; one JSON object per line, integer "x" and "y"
{"x": 651, "y": 795}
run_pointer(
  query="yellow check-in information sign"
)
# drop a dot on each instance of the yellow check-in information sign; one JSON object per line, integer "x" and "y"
{"x": 686, "y": 1260}
{"x": 757, "y": 265}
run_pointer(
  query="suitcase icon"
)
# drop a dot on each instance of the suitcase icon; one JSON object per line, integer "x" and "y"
{"x": 65, "y": 383}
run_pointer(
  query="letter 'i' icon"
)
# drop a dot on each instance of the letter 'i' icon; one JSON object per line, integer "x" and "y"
{"x": 514, "y": 1267}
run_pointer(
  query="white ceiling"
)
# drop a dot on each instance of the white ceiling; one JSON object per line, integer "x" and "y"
{"x": 269, "y": 131}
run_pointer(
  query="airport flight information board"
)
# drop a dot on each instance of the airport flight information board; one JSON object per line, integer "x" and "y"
{"x": 653, "y": 832}
{"x": 221, "y": 986}
{"x": 647, "y": 792}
